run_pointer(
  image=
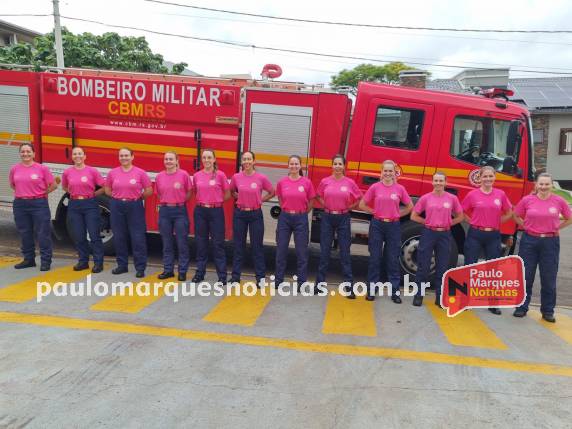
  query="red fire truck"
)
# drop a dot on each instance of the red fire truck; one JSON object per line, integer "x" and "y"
{"x": 422, "y": 131}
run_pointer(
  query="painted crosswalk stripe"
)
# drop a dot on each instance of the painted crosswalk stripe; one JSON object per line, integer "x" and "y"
{"x": 6, "y": 261}
{"x": 562, "y": 327}
{"x": 26, "y": 290}
{"x": 349, "y": 316}
{"x": 238, "y": 308}
{"x": 465, "y": 329}
{"x": 140, "y": 298}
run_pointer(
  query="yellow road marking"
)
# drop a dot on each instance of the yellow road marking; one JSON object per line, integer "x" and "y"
{"x": 141, "y": 297}
{"x": 239, "y": 309}
{"x": 349, "y": 316}
{"x": 562, "y": 327}
{"x": 303, "y": 346}
{"x": 26, "y": 289}
{"x": 465, "y": 329}
{"x": 6, "y": 261}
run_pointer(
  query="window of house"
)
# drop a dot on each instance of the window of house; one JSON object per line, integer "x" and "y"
{"x": 538, "y": 136}
{"x": 565, "y": 141}
{"x": 398, "y": 128}
{"x": 486, "y": 141}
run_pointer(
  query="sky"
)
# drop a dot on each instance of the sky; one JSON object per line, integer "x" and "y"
{"x": 433, "y": 51}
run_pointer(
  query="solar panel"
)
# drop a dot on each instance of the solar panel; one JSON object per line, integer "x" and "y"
{"x": 544, "y": 93}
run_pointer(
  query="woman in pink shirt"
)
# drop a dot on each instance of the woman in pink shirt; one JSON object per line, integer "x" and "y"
{"x": 32, "y": 182}
{"x": 84, "y": 184}
{"x": 442, "y": 211}
{"x": 128, "y": 186}
{"x": 540, "y": 214}
{"x": 485, "y": 209}
{"x": 338, "y": 195}
{"x": 383, "y": 200}
{"x": 248, "y": 187}
{"x": 212, "y": 190}
{"x": 295, "y": 194}
{"x": 174, "y": 187}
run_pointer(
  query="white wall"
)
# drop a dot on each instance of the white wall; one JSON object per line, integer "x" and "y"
{"x": 560, "y": 166}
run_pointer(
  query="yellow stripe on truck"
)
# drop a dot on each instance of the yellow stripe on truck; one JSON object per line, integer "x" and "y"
{"x": 7, "y": 136}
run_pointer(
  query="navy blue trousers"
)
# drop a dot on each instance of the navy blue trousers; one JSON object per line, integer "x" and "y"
{"x": 384, "y": 237}
{"x": 174, "y": 228}
{"x": 32, "y": 219}
{"x": 543, "y": 253}
{"x": 83, "y": 216}
{"x": 252, "y": 222}
{"x": 487, "y": 241}
{"x": 128, "y": 224}
{"x": 210, "y": 222}
{"x": 289, "y": 224}
{"x": 438, "y": 242}
{"x": 335, "y": 224}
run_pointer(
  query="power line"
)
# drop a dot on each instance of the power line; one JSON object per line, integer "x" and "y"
{"x": 301, "y": 52}
{"x": 448, "y": 36}
{"x": 350, "y": 24}
{"x": 293, "y": 51}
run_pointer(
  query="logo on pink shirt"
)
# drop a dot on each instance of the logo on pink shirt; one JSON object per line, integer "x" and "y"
{"x": 553, "y": 210}
{"x": 212, "y": 182}
{"x": 344, "y": 189}
{"x": 301, "y": 188}
{"x": 34, "y": 177}
{"x": 177, "y": 185}
{"x": 253, "y": 185}
{"x": 133, "y": 181}
{"x": 497, "y": 202}
{"x": 83, "y": 179}
{"x": 447, "y": 205}
{"x": 394, "y": 197}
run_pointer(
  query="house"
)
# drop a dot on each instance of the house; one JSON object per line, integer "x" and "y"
{"x": 548, "y": 99}
{"x": 11, "y": 34}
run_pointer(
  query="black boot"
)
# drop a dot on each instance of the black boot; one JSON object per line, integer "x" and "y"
{"x": 26, "y": 263}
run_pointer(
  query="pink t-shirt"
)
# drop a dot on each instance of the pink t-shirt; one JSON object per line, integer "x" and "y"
{"x": 385, "y": 199}
{"x": 250, "y": 189}
{"x": 438, "y": 209}
{"x": 338, "y": 194}
{"x": 30, "y": 181}
{"x": 542, "y": 216}
{"x": 82, "y": 182}
{"x": 294, "y": 195}
{"x": 486, "y": 210}
{"x": 172, "y": 188}
{"x": 129, "y": 185}
{"x": 210, "y": 187}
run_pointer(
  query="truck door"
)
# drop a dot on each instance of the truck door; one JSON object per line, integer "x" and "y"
{"x": 400, "y": 131}
{"x": 472, "y": 139}
{"x": 14, "y": 130}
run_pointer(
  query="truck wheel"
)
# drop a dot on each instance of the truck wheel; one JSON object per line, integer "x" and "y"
{"x": 410, "y": 234}
{"x": 105, "y": 232}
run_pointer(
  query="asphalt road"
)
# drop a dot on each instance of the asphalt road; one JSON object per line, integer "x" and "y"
{"x": 9, "y": 245}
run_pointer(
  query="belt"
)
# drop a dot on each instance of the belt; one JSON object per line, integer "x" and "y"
{"x": 81, "y": 197}
{"x": 248, "y": 209}
{"x": 210, "y": 206}
{"x": 336, "y": 212}
{"x": 32, "y": 198}
{"x": 172, "y": 204}
{"x": 294, "y": 211}
{"x": 438, "y": 228}
{"x": 387, "y": 219}
{"x": 481, "y": 228}
{"x": 127, "y": 199}
{"x": 543, "y": 235}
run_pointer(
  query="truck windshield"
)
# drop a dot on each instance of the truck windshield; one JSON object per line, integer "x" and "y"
{"x": 486, "y": 141}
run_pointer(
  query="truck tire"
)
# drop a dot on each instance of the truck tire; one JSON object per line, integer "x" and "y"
{"x": 410, "y": 234}
{"x": 105, "y": 220}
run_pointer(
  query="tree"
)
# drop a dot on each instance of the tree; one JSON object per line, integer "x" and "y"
{"x": 110, "y": 51}
{"x": 388, "y": 73}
